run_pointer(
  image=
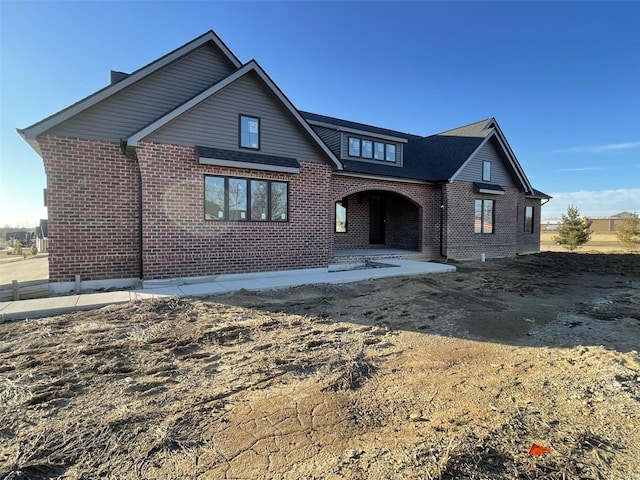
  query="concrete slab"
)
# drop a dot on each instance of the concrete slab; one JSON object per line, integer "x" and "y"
{"x": 97, "y": 300}
{"x": 204, "y": 289}
{"x": 39, "y": 307}
{"x": 260, "y": 281}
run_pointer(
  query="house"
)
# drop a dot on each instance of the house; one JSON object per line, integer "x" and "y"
{"x": 41, "y": 236}
{"x": 198, "y": 165}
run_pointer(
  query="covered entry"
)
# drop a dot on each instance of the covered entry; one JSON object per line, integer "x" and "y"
{"x": 376, "y": 219}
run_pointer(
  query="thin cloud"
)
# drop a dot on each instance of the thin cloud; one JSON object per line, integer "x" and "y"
{"x": 599, "y": 148}
{"x": 598, "y": 203}
{"x": 579, "y": 169}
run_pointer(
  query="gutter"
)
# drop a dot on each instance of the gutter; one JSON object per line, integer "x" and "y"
{"x": 123, "y": 149}
{"x": 441, "y": 219}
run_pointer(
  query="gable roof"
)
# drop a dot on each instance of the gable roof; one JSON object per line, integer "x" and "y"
{"x": 30, "y": 133}
{"x": 251, "y": 66}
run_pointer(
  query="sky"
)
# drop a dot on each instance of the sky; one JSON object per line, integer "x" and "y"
{"x": 561, "y": 78}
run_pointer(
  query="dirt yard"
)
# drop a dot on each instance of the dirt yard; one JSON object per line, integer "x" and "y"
{"x": 453, "y": 376}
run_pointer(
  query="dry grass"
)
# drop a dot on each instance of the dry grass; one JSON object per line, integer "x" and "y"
{"x": 605, "y": 242}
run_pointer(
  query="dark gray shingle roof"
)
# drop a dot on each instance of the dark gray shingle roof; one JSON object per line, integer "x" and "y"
{"x": 433, "y": 158}
{"x": 239, "y": 156}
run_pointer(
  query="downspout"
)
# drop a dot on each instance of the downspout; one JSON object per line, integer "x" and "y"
{"x": 123, "y": 149}
{"x": 442, "y": 220}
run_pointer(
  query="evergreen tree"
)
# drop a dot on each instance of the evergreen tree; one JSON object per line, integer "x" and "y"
{"x": 628, "y": 232}
{"x": 574, "y": 231}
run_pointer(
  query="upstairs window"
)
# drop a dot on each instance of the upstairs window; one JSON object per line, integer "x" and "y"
{"x": 378, "y": 150}
{"x": 486, "y": 171}
{"x": 528, "y": 219}
{"x": 354, "y": 147}
{"x": 369, "y": 149}
{"x": 483, "y": 216}
{"x": 249, "y": 132}
{"x": 390, "y": 155}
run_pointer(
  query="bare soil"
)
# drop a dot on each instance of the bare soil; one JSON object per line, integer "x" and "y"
{"x": 450, "y": 376}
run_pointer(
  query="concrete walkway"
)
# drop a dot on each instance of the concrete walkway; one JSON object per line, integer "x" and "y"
{"x": 44, "y": 307}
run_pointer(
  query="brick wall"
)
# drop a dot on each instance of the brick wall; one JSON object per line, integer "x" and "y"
{"x": 92, "y": 208}
{"x": 412, "y": 213}
{"x": 179, "y": 242}
{"x": 508, "y": 238}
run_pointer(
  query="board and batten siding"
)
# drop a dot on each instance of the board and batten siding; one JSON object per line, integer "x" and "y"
{"x": 215, "y": 123}
{"x": 344, "y": 153}
{"x": 128, "y": 111}
{"x": 500, "y": 175}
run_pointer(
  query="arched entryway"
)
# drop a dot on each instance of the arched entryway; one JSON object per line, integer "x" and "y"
{"x": 377, "y": 219}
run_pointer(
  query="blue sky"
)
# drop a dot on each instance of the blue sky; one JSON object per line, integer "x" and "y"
{"x": 562, "y": 79}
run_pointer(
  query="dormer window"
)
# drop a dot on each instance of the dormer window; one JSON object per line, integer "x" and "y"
{"x": 486, "y": 171}
{"x": 390, "y": 155}
{"x": 372, "y": 150}
{"x": 367, "y": 149}
{"x": 249, "y": 132}
{"x": 354, "y": 147}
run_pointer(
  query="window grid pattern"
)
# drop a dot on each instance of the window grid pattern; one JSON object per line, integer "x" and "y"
{"x": 241, "y": 199}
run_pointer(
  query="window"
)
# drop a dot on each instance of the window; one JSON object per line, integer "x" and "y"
{"x": 528, "y": 219}
{"x": 341, "y": 217}
{"x": 378, "y": 150}
{"x": 354, "y": 147}
{"x": 391, "y": 153}
{"x": 360, "y": 147}
{"x": 486, "y": 171}
{"x": 249, "y": 132}
{"x": 367, "y": 149}
{"x": 241, "y": 199}
{"x": 484, "y": 216}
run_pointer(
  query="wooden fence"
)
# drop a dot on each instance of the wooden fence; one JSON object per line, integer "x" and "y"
{"x": 24, "y": 290}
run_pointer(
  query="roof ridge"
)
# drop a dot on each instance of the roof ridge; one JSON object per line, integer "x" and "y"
{"x": 464, "y": 126}
{"x": 365, "y": 125}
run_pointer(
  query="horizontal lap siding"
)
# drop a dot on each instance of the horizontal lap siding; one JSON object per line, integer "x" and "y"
{"x": 143, "y": 102}
{"x": 92, "y": 202}
{"x": 500, "y": 175}
{"x": 215, "y": 123}
{"x": 331, "y": 137}
{"x": 179, "y": 242}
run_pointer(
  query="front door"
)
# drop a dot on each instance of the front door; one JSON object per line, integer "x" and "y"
{"x": 376, "y": 219}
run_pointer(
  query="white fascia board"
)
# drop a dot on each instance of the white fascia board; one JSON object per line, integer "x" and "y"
{"x": 33, "y": 131}
{"x": 491, "y": 192}
{"x": 466, "y": 162}
{"x": 294, "y": 111}
{"x": 133, "y": 140}
{"x": 366, "y": 133}
{"x": 247, "y": 165}
{"x": 382, "y": 177}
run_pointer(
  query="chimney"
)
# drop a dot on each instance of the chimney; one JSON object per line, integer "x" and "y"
{"x": 117, "y": 76}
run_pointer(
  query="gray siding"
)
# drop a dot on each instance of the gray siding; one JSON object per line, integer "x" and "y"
{"x": 500, "y": 175}
{"x": 344, "y": 153}
{"x": 215, "y": 123}
{"x": 331, "y": 137}
{"x": 143, "y": 102}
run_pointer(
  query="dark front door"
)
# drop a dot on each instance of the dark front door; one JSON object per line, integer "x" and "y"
{"x": 376, "y": 219}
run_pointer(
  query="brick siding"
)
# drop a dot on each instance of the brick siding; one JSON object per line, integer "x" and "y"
{"x": 92, "y": 202}
{"x": 412, "y": 213}
{"x": 508, "y": 238}
{"x": 179, "y": 242}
